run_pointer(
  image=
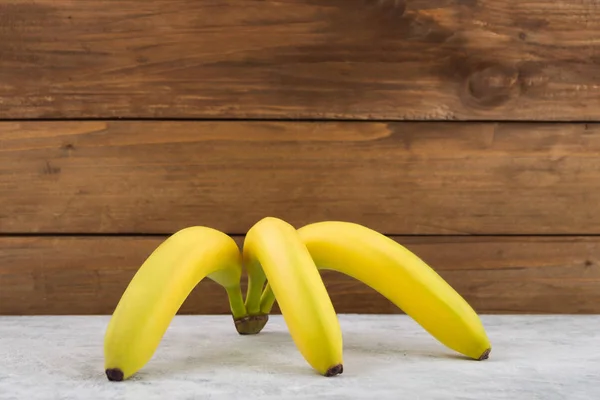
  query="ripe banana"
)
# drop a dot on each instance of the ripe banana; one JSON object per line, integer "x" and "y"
{"x": 160, "y": 287}
{"x": 273, "y": 251}
{"x": 400, "y": 276}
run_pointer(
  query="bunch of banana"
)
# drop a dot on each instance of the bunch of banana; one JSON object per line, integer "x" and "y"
{"x": 283, "y": 265}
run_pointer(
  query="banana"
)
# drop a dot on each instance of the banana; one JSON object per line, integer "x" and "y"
{"x": 273, "y": 251}
{"x": 400, "y": 276}
{"x": 160, "y": 287}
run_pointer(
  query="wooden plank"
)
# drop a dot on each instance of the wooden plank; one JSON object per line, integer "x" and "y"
{"x": 87, "y": 275}
{"x": 397, "y": 178}
{"x": 423, "y": 59}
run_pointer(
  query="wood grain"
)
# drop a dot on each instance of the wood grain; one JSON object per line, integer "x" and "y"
{"x": 87, "y": 275}
{"x": 397, "y": 178}
{"x": 352, "y": 59}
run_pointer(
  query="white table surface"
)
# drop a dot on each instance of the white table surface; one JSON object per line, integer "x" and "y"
{"x": 386, "y": 357}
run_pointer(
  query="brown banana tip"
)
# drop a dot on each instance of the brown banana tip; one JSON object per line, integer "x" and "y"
{"x": 335, "y": 370}
{"x": 485, "y": 355}
{"x": 114, "y": 374}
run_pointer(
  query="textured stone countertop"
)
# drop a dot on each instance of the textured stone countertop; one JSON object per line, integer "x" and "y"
{"x": 386, "y": 357}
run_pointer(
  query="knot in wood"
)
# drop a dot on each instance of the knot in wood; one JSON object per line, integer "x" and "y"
{"x": 492, "y": 86}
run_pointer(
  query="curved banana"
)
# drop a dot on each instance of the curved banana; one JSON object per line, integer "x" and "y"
{"x": 400, "y": 276}
{"x": 160, "y": 287}
{"x": 273, "y": 250}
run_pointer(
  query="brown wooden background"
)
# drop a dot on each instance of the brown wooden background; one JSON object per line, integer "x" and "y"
{"x": 465, "y": 129}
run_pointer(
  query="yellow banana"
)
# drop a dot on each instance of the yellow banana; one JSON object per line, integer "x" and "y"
{"x": 400, "y": 276}
{"x": 273, "y": 251}
{"x": 160, "y": 287}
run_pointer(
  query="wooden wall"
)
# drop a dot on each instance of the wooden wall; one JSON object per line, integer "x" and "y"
{"x": 465, "y": 129}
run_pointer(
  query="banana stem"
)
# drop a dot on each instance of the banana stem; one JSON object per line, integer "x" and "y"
{"x": 256, "y": 282}
{"x": 236, "y": 301}
{"x": 267, "y": 300}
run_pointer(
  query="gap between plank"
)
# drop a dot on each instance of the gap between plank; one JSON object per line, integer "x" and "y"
{"x": 166, "y": 234}
{"x": 300, "y": 120}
